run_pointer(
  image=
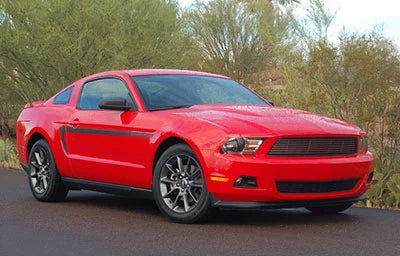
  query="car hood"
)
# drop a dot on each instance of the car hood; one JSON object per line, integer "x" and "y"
{"x": 256, "y": 120}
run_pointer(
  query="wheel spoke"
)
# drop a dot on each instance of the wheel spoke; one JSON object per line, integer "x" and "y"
{"x": 45, "y": 184}
{"x": 33, "y": 173}
{"x": 39, "y": 184}
{"x": 192, "y": 196}
{"x": 174, "y": 205}
{"x": 166, "y": 195}
{"x": 34, "y": 181}
{"x": 169, "y": 167}
{"x": 35, "y": 165}
{"x": 195, "y": 174}
{"x": 38, "y": 159}
{"x": 42, "y": 156}
{"x": 187, "y": 166}
{"x": 185, "y": 202}
{"x": 195, "y": 185}
{"x": 167, "y": 180}
{"x": 180, "y": 165}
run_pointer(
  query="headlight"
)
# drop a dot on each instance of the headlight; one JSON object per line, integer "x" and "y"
{"x": 241, "y": 146}
{"x": 363, "y": 143}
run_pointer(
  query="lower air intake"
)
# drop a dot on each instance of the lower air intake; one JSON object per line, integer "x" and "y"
{"x": 310, "y": 187}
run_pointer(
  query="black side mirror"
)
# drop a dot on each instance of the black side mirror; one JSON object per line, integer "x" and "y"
{"x": 114, "y": 104}
{"x": 270, "y": 102}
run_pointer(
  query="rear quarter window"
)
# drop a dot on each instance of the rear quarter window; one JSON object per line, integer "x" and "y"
{"x": 64, "y": 97}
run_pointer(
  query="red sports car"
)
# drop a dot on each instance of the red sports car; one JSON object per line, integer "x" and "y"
{"x": 191, "y": 141}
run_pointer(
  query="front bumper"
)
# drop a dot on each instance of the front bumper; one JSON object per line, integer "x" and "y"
{"x": 269, "y": 170}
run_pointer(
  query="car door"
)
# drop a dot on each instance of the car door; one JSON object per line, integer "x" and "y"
{"x": 98, "y": 140}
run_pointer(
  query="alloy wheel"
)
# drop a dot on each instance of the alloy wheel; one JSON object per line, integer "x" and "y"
{"x": 181, "y": 183}
{"x": 39, "y": 172}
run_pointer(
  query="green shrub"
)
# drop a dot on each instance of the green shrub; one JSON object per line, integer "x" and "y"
{"x": 356, "y": 81}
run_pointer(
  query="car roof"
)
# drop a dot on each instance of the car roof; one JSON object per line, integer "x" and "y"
{"x": 146, "y": 72}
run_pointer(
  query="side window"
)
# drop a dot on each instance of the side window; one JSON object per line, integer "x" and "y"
{"x": 95, "y": 91}
{"x": 64, "y": 97}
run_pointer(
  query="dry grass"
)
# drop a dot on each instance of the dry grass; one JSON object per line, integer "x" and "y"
{"x": 8, "y": 154}
{"x": 10, "y": 164}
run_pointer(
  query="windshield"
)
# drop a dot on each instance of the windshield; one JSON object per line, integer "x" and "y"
{"x": 175, "y": 91}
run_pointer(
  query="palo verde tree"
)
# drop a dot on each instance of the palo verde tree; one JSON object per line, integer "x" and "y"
{"x": 45, "y": 45}
{"x": 236, "y": 38}
{"x": 356, "y": 80}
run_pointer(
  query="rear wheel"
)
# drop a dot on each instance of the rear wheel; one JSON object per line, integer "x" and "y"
{"x": 179, "y": 186}
{"x": 330, "y": 209}
{"x": 44, "y": 179}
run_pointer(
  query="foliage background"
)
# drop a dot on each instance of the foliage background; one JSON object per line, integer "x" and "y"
{"x": 46, "y": 45}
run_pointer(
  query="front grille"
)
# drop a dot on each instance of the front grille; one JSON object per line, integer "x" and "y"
{"x": 306, "y": 187}
{"x": 316, "y": 146}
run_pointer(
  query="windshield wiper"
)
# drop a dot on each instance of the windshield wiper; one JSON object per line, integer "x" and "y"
{"x": 172, "y": 107}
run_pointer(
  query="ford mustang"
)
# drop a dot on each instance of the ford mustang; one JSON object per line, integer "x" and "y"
{"x": 192, "y": 141}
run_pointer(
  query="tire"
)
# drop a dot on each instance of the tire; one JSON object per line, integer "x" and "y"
{"x": 43, "y": 176}
{"x": 330, "y": 209}
{"x": 179, "y": 186}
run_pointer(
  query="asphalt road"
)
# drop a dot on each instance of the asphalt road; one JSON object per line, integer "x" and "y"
{"x": 90, "y": 223}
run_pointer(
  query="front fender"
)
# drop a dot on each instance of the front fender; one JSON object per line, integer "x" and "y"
{"x": 201, "y": 137}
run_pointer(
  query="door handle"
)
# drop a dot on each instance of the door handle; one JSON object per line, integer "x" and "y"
{"x": 74, "y": 122}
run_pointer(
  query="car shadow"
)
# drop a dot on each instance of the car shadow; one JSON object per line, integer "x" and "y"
{"x": 114, "y": 202}
{"x": 270, "y": 217}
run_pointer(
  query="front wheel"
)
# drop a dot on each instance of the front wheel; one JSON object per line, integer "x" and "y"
{"x": 329, "y": 209}
{"x": 179, "y": 186}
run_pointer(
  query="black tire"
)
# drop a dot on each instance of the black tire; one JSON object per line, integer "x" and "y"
{"x": 171, "y": 207}
{"x": 330, "y": 209}
{"x": 43, "y": 176}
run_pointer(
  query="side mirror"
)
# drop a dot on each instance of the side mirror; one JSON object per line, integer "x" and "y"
{"x": 270, "y": 102}
{"x": 114, "y": 104}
